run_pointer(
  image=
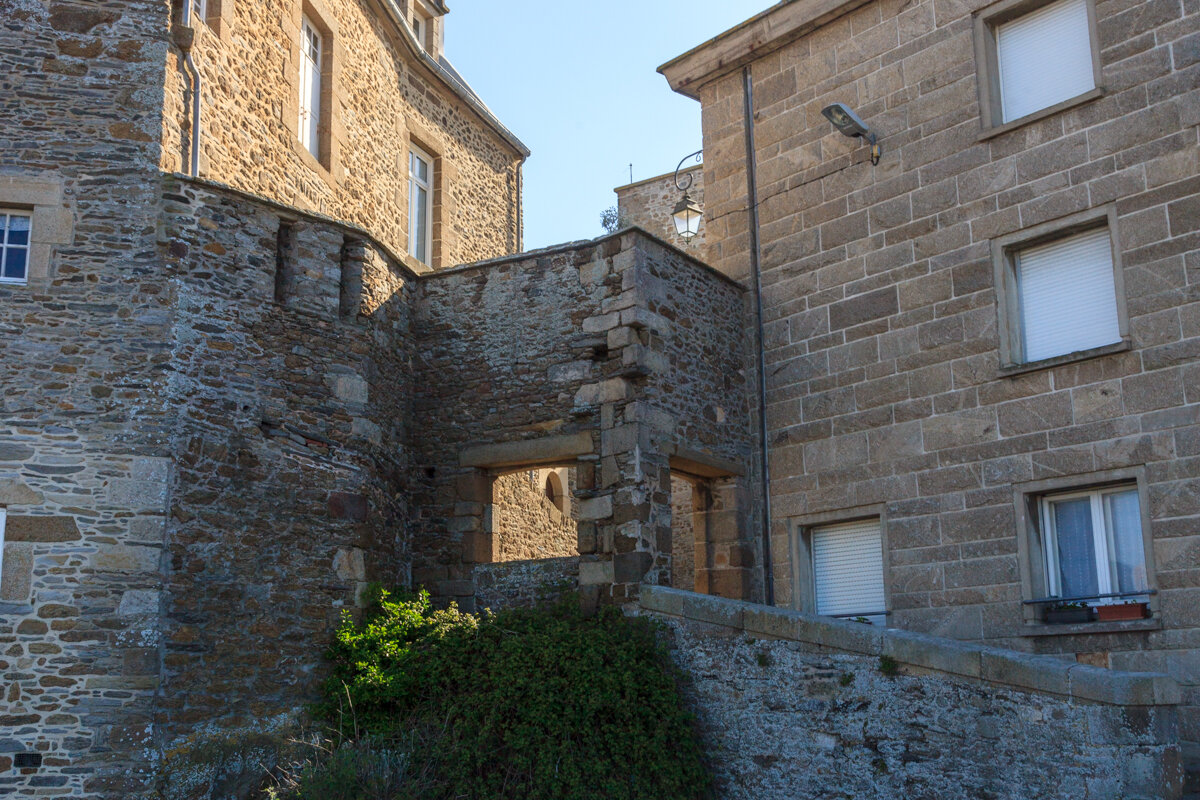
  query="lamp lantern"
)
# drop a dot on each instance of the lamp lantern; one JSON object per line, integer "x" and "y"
{"x": 687, "y": 217}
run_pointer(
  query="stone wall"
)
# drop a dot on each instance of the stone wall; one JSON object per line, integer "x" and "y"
{"x": 290, "y": 379}
{"x": 683, "y": 535}
{"x": 536, "y": 582}
{"x": 527, "y": 523}
{"x": 792, "y": 706}
{"x": 83, "y": 425}
{"x": 649, "y": 204}
{"x": 885, "y": 389}
{"x": 382, "y": 94}
{"x": 586, "y": 353}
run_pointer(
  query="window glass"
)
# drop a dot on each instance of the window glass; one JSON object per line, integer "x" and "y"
{"x": 848, "y": 570}
{"x": 1094, "y": 544}
{"x": 310, "y": 88}
{"x": 420, "y": 177}
{"x": 1128, "y": 553}
{"x": 1068, "y": 299}
{"x": 14, "y": 247}
{"x": 1076, "y": 548}
{"x": 1044, "y": 57}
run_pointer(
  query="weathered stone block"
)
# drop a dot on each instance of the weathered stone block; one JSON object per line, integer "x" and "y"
{"x": 16, "y": 581}
{"x": 40, "y": 529}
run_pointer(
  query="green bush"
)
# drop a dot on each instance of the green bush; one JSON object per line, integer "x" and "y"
{"x": 546, "y": 704}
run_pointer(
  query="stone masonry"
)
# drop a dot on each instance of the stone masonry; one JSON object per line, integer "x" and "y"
{"x": 793, "y": 706}
{"x": 382, "y": 93}
{"x": 650, "y": 203}
{"x": 885, "y": 390}
{"x": 606, "y": 372}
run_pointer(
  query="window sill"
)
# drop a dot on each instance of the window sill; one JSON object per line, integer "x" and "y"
{"x": 999, "y": 130}
{"x": 1086, "y": 628}
{"x": 1009, "y": 370}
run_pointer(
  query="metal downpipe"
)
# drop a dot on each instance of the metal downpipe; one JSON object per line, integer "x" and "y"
{"x": 760, "y": 350}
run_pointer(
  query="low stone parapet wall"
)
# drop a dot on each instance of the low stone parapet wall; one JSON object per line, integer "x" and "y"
{"x": 794, "y": 705}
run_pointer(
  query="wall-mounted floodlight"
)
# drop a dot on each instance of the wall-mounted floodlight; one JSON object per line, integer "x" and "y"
{"x": 848, "y": 124}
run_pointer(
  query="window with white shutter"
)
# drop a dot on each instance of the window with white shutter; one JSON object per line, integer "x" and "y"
{"x": 1067, "y": 295}
{"x": 847, "y": 568}
{"x": 1044, "y": 58}
{"x": 1034, "y": 58}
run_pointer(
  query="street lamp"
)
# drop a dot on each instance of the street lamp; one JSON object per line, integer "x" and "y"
{"x": 848, "y": 124}
{"x": 688, "y": 212}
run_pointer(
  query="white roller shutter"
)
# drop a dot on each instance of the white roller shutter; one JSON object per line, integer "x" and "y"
{"x": 848, "y": 570}
{"x": 1068, "y": 297}
{"x": 1044, "y": 57}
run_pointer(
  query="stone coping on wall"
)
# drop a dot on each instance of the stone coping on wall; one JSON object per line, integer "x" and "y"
{"x": 970, "y": 660}
{"x": 580, "y": 245}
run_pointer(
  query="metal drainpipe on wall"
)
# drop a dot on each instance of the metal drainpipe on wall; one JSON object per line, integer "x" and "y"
{"x": 197, "y": 85}
{"x": 760, "y": 354}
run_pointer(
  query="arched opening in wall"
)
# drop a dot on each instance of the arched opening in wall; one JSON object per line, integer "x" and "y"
{"x": 554, "y": 490}
{"x": 533, "y": 514}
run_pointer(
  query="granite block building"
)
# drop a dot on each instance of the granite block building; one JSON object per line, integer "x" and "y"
{"x": 980, "y": 374}
{"x": 266, "y": 335}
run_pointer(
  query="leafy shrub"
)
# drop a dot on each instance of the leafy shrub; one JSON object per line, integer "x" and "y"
{"x": 546, "y": 704}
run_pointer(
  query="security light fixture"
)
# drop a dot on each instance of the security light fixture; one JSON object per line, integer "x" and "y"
{"x": 687, "y": 213}
{"x": 848, "y": 124}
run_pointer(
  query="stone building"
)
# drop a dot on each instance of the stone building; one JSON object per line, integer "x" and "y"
{"x": 265, "y": 339}
{"x": 268, "y": 335}
{"x": 982, "y": 352}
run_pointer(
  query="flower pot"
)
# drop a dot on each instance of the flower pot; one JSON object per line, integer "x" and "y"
{"x": 1122, "y": 611}
{"x": 1067, "y": 616}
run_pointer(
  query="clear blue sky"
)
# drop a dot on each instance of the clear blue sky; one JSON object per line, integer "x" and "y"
{"x": 575, "y": 80}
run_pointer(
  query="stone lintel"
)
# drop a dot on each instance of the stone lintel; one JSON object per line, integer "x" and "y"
{"x": 703, "y": 465}
{"x": 530, "y": 452}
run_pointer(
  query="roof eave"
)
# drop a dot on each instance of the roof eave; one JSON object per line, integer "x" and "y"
{"x": 762, "y": 34}
{"x": 461, "y": 91}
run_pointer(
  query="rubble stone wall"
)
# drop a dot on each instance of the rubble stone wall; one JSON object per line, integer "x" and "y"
{"x": 83, "y": 424}
{"x": 381, "y": 97}
{"x": 885, "y": 389}
{"x": 527, "y": 523}
{"x": 591, "y": 347}
{"x": 792, "y": 705}
{"x": 290, "y": 447}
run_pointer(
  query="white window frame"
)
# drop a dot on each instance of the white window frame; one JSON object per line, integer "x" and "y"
{"x": 200, "y": 10}
{"x": 309, "y": 124}
{"x": 3, "y": 522}
{"x": 5, "y": 215}
{"x": 414, "y": 184}
{"x": 1103, "y": 540}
